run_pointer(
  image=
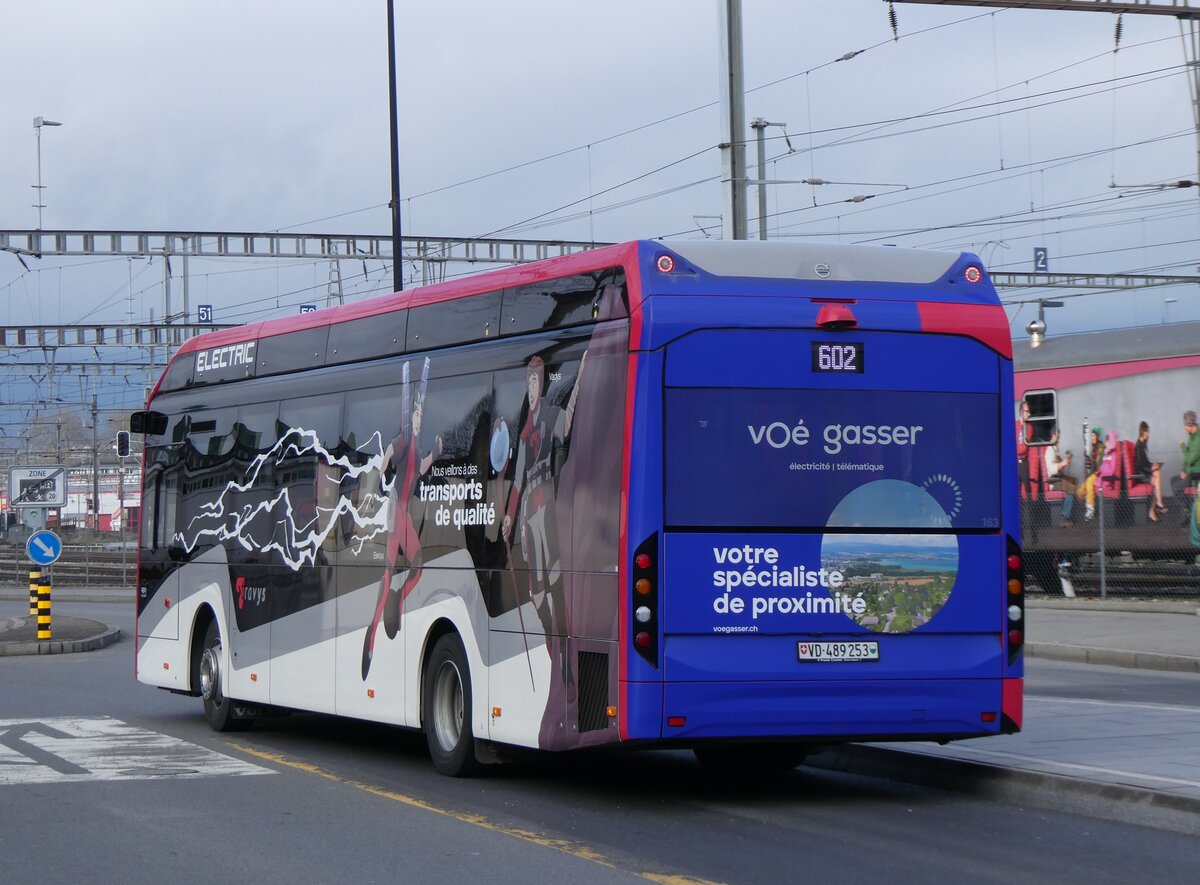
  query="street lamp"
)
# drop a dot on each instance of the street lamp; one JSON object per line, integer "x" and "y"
{"x": 1037, "y": 328}
{"x": 38, "y": 123}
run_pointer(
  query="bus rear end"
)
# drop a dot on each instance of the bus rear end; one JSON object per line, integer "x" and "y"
{"x": 822, "y": 537}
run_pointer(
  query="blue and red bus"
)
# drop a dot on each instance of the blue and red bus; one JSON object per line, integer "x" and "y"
{"x": 747, "y": 498}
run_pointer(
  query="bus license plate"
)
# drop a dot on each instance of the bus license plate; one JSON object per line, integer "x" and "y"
{"x": 838, "y": 651}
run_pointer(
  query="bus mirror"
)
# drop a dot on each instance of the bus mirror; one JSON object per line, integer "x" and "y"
{"x": 1042, "y": 419}
{"x": 148, "y": 422}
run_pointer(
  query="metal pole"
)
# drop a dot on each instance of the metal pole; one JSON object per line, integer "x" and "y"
{"x": 121, "y": 510}
{"x": 95, "y": 469}
{"x": 187, "y": 316}
{"x": 397, "y": 262}
{"x": 759, "y": 125}
{"x": 38, "y": 123}
{"x": 38, "y": 129}
{"x": 167, "y": 283}
{"x": 733, "y": 121}
{"x": 1193, "y": 60}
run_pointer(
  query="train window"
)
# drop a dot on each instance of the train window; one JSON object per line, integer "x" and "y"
{"x": 1042, "y": 420}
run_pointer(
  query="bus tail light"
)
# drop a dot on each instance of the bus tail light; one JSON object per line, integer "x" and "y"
{"x": 1014, "y": 601}
{"x": 644, "y": 600}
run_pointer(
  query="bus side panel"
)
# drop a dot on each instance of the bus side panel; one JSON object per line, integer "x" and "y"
{"x": 302, "y": 640}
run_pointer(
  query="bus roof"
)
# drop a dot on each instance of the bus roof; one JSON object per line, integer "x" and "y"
{"x": 817, "y": 261}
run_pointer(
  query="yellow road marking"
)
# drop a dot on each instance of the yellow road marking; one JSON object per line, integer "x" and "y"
{"x": 575, "y": 849}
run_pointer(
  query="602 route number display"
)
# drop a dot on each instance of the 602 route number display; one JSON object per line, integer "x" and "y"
{"x": 837, "y": 356}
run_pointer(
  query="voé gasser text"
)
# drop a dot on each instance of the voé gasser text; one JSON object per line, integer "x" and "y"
{"x": 780, "y": 434}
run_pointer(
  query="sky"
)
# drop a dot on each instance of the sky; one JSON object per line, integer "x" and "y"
{"x": 994, "y": 131}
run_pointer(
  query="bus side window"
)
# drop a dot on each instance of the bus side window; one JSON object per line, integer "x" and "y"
{"x": 460, "y": 321}
{"x": 571, "y": 301}
{"x": 151, "y": 501}
{"x": 309, "y": 430}
{"x": 1043, "y": 416}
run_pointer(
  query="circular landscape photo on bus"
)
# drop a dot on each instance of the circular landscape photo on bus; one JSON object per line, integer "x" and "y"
{"x": 905, "y": 578}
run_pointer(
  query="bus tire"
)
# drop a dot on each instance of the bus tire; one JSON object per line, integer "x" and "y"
{"x": 218, "y": 709}
{"x": 446, "y": 713}
{"x": 749, "y": 759}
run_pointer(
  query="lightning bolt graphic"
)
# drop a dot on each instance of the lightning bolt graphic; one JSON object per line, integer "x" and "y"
{"x": 222, "y": 521}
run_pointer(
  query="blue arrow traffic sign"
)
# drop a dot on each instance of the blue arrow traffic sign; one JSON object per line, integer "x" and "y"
{"x": 43, "y": 547}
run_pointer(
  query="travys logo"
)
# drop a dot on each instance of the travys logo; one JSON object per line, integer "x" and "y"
{"x": 781, "y": 434}
{"x": 249, "y": 594}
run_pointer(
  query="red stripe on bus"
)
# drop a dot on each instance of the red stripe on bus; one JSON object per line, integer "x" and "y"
{"x": 1012, "y": 703}
{"x": 986, "y": 323}
{"x": 634, "y": 289}
{"x": 1071, "y": 376}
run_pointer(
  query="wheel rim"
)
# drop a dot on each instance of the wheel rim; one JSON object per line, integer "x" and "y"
{"x": 210, "y": 674}
{"x": 448, "y": 706}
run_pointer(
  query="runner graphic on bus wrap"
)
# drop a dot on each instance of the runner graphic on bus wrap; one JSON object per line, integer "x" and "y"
{"x": 531, "y": 509}
{"x": 403, "y": 465}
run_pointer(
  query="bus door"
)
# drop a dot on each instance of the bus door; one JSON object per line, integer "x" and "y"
{"x": 832, "y": 554}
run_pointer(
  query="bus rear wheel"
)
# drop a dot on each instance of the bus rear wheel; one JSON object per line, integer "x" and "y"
{"x": 447, "y": 709}
{"x": 218, "y": 709}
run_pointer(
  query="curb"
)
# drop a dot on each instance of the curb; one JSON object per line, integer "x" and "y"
{"x": 62, "y": 595}
{"x": 1114, "y": 605}
{"x": 1055, "y": 792}
{"x": 1113, "y": 657}
{"x": 61, "y": 646}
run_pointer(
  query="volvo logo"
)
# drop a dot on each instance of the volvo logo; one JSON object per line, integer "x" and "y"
{"x": 822, "y": 270}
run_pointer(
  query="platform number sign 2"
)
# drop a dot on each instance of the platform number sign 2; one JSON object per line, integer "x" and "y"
{"x": 1041, "y": 259}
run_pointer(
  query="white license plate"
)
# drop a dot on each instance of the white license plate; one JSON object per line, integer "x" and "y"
{"x": 838, "y": 651}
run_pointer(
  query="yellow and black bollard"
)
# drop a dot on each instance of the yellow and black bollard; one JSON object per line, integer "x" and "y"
{"x": 35, "y": 578}
{"x": 43, "y": 615}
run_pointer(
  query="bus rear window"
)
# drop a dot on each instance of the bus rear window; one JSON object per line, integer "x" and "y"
{"x": 818, "y": 459}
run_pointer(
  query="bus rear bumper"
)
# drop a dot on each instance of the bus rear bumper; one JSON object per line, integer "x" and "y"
{"x": 845, "y": 710}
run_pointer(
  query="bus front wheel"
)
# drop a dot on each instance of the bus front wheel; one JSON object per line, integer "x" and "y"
{"x": 447, "y": 708}
{"x": 218, "y": 709}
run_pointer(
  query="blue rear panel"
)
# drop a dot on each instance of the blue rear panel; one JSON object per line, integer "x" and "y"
{"x": 803, "y": 506}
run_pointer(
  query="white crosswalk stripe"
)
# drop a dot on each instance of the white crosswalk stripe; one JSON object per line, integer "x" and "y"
{"x": 74, "y": 749}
